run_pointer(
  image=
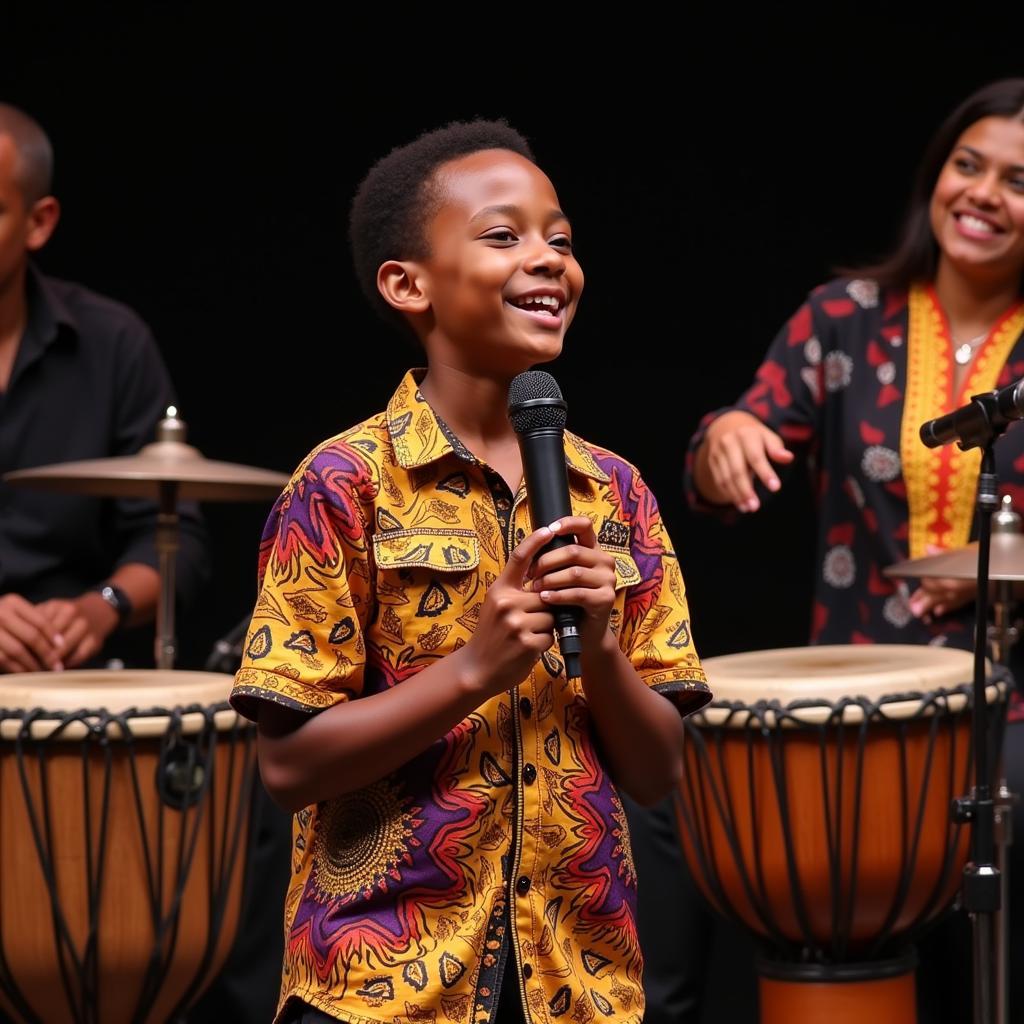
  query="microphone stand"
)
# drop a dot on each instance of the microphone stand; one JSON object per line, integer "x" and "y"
{"x": 1002, "y": 639}
{"x": 1003, "y": 634}
{"x": 980, "y": 895}
{"x": 982, "y": 884}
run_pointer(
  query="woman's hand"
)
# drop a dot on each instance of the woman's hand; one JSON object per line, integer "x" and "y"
{"x": 940, "y": 595}
{"x": 936, "y": 597}
{"x": 737, "y": 447}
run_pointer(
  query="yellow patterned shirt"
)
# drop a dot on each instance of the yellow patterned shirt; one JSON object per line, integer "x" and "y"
{"x": 506, "y": 838}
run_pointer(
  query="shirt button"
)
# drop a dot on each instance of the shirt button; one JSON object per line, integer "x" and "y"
{"x": 520, "y": 535}
{"x": 525, "y": 707}
{"x": 523, "y": 885}
{"x": 527, "y": 971}
{"x": 529, "y": 774}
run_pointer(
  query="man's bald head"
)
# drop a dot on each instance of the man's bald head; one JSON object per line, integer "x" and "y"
{"x": 34, "y": 167}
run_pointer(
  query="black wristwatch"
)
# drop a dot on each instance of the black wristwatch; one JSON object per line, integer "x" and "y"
{"x": 117, "y": 599}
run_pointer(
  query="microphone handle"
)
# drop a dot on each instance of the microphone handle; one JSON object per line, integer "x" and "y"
{"x": 547, "y": 489}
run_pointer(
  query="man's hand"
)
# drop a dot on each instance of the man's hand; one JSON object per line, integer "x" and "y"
{"x": 29, "y": 641}
{"x": 83, "y": 624}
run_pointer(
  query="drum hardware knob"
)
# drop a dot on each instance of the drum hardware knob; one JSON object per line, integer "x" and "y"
{"x": 1007, "y": 519}
{"x": 962, "y": 810}
{"x": 180, "y": 776}
{"x": 171, "y": 427}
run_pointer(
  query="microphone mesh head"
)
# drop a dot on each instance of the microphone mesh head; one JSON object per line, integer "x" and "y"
{"x": 535, "y": 386}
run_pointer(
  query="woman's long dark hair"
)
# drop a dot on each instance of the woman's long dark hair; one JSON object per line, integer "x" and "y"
{"x": 915, "y": 255}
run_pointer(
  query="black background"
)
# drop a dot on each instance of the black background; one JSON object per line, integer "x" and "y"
{"x": 715, "y": 170}
{"x": 713, "y": 173}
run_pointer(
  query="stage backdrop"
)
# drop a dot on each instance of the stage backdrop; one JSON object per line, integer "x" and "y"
{"x": 206, "y": 169}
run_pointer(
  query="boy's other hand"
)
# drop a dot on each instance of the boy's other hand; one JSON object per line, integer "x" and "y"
{"x": 515, "y": 627}
{"x": 581, "y": 574}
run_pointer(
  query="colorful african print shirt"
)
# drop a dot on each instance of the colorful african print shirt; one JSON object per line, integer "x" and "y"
{"x": 849, "y": 380}
{"x": 506, "y": 838}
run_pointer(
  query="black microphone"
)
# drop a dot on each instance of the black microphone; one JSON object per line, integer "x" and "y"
{"x": 537, "y": 410}
{"x": 973, "y": 425}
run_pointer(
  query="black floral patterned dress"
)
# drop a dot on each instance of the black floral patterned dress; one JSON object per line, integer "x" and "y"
{"x": 847, "y": 383}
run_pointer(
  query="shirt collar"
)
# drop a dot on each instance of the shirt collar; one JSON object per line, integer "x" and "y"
{"x": 419, "y": 436}
{"x": 47, "y": 313}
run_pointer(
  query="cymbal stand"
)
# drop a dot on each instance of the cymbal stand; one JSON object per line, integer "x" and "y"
{"x": 165, "y": 644}
{"x": 171, "y": 428}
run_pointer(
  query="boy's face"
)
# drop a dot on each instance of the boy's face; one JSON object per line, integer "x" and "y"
{"x": 501, "y": 278}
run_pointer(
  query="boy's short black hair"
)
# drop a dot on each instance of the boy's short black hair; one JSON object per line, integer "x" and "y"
{"x": 395, "y": 200}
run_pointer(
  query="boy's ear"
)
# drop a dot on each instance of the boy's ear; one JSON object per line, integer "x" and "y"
{"x": 403, "y": 285}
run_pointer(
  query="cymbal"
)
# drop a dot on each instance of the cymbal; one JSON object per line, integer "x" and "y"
{"x": 1006, "y": 561}
{"x": 141, "y": 476}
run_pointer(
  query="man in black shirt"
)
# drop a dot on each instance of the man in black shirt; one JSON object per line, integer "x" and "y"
{"x": 80, "y": 378}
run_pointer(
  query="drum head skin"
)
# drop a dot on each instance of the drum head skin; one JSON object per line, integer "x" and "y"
{"x": 836, "y": 682}
{"x": 831, "y": 672}
{"x": 112, "y": 693}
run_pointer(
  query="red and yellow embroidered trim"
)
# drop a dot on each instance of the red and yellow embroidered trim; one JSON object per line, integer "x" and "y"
{"x": 941, "y": 482}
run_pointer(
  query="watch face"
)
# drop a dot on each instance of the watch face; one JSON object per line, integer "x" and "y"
{"x": 117, "y": 599}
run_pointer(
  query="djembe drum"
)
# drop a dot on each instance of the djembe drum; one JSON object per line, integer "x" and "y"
{"x": 815, "y": 811}
{"x": 125, "y": 806}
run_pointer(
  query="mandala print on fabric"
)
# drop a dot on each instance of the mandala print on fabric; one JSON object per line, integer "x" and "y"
{"x": 363, "y": 840}
{"x": 840, "y": 570}
{"x": 382, "y": 856}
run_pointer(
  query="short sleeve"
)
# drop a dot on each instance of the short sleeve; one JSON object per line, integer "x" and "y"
{"x": 305, "y": 647}
{"x": 656, "y": 634}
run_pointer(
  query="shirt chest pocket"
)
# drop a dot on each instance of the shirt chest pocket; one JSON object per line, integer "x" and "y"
{"x": 428, "y": 588}
{"x": 626, "y": 575}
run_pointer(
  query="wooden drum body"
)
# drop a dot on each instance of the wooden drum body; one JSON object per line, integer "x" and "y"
{"x": 815, "y": 810}
{"x": 124, "y": 830}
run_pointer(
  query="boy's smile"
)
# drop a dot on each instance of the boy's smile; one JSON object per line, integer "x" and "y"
{"x": 544, "y": 304}
{"x": 501, "y": 278}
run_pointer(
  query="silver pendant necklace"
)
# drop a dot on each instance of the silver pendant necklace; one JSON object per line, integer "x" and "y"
{"x": 963, "y": 352}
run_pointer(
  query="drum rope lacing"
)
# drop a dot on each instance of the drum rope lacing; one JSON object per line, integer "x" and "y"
{"x": 769, "y": 722}
{"x": 80, "y": 968}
